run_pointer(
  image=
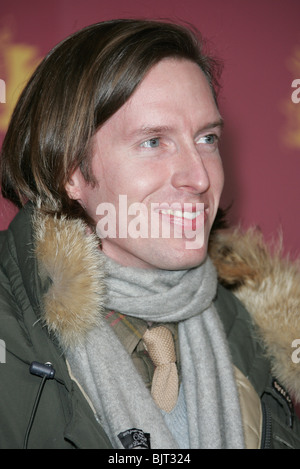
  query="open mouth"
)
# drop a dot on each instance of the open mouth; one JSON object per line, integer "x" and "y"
{"x": 182, "y": 214}
{"x": 191, "y": 219}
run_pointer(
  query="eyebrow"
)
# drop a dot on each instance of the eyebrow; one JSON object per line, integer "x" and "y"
{"x": 211, "y": 125}
{"x": 149, "y": 130}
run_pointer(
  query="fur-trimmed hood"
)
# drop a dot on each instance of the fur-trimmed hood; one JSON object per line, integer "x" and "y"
{"x": 267, "y": 285}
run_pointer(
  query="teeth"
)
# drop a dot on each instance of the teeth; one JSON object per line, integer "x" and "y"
{"x": 181, "y": 214}
{"x": 191, "y": 215}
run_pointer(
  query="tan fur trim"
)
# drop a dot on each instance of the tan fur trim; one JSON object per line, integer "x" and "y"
{"x": 72, "y": 260}
{"x": 269, "y": 287}
{"x": 240, "y": 257}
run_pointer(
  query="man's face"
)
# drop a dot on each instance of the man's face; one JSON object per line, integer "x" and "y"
{"x": 159, "y": 150}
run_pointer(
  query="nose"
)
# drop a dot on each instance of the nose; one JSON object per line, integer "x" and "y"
{"x": 189, "y": 172}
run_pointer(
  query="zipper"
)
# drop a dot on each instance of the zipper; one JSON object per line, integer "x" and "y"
{"x": 266, "y": 437}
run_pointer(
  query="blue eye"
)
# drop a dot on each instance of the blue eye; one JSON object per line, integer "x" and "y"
{"x": 209, "y": 139}
{"x": 151, "y": 143}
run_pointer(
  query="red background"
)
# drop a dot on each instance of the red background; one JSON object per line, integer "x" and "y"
{"x": 259, "y": 42}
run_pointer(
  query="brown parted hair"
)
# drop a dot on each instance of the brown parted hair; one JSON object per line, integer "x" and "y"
{"x": 78, "y": 86}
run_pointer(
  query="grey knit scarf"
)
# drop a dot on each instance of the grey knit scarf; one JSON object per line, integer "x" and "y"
{"x": 109, "y": 377}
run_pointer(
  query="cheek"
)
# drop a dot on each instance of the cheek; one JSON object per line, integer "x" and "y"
{"x": 115, "y": 175}
{"x": 91, "y": 200}
{"x": 217, "y": 177}
{"x": 139, "y": 181}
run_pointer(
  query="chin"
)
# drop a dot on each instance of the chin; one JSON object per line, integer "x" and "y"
{"x": 186, "y": 264}
{"x": 181, "y": 260}
{"x": 159, "y": 254}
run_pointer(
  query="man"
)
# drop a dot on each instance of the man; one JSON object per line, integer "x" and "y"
{"x": 114, "y": 147}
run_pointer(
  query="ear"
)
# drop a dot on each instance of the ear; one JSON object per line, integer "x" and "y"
{"x": 75, "y": 185}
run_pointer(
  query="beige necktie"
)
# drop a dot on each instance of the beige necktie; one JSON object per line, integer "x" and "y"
{"x": 160, "y": 346}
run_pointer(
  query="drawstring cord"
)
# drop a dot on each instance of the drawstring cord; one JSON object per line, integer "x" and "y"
{"x": 45, "y": 371}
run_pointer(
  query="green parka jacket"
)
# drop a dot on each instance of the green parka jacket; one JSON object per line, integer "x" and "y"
{"x": 50, "y": 294}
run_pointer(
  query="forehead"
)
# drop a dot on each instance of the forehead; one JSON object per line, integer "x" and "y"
{"x": 169, "y": 76}
{"x": 175, "y": 92}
